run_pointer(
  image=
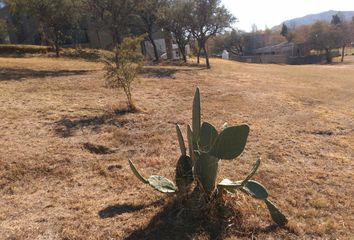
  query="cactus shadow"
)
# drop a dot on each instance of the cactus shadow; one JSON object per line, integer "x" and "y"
{"x": 118, "y": 209}
{"x": 173, "y": 223}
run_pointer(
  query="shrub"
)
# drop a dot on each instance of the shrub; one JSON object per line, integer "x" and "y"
{"x": 122, "y": 67}
{"x": 206, "y": 148}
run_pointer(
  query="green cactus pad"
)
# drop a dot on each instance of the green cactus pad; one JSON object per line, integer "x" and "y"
{"x": 184, "y": 172}
{"x": 162, "y": 184}
{"x": 256, "y": 190}
{"x": 206, "y": 170}
{"x": 253, "y": 171}
{"x": 276, "y": 215}
{"x": 136, "y": 173}
{"x": 231, "y": 142}
{"x": 191, "y": 144}
{"x": 196, "y": 115}
{"x": 182, "y": 146}
{"x": 208, "y": 136}
{"x": 229, "y": 185}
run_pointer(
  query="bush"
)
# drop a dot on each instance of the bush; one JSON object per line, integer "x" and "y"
{"x": 18, "y": 49}
{"x": 87, "y": 54}
{"x": 122, "y": 67}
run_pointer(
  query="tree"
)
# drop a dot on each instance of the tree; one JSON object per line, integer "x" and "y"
{"x": 288, "y": 34}
{"x": 336, "y": 20}
{"x": 117, "y": 16}
{"x": 122, "y": 67}
{"x": 301, "y": 33}
{"x": 342, "y": 29}
{"x": 231, "y": 41}
{"x": 56, "y": 19}
{"x": 208, "y": 18}
{"x": 148, "y": 13}
{"x": 323, "y": 37}
{"x": 284, "y": 30}
{"x": 174, "y": 18}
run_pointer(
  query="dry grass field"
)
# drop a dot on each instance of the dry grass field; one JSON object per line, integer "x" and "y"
{"x": 65, "y": 141}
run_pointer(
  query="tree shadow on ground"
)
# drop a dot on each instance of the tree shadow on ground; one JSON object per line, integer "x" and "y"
{"x": 173, "y": 222}
{"x": 22, "y": 74}
{"x": 66, "y": 127}
{"x": 166, "y": 72}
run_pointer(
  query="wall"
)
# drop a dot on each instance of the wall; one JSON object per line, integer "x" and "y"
{"x": 279, "y": 59}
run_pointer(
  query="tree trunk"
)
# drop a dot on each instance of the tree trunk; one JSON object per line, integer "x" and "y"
{"x": 206, "y": 57}
{"x": 168, "y": 40}
{"x": 57, "y": 49}
{"x": 182, "y": 49}
{"x": 343, "y": 49}
{"x": 131, "y": 105}
{"x": 98, "y": 38}
{"x": 198, "y": 54}
{"x": 328, "y": 56}
{"x": 155, "y": 48}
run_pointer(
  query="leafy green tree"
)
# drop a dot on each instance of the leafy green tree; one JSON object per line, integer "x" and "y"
{"x": 208, "y": 18}
{"x": 122, "y": 67}
{"x": 336, "y": 20}
{"x": 174, "y": 17}
{"x": 287, "y": 33}
{"x": 284, "y": 30}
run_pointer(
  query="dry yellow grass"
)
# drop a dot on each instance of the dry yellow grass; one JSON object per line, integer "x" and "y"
{"x": 64, "y": 147}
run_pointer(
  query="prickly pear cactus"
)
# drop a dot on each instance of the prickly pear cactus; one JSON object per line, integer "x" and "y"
{"x": 206, "y": 148}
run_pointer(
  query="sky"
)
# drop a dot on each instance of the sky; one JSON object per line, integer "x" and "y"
{"x": 269, "y": 13}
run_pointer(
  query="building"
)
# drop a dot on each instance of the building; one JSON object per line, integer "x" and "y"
{"x": 282, "y": 53}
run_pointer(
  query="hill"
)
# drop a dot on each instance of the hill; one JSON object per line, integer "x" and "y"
{"x": 323, "y": 16}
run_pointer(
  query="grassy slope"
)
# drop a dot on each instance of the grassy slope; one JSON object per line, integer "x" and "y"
{"x": 301, "y": 120}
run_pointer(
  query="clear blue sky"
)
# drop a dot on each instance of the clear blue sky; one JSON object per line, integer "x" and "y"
{"x": 273, "y": 12}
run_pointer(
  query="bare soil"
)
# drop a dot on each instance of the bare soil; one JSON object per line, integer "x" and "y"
{"x": 65, "y": 140}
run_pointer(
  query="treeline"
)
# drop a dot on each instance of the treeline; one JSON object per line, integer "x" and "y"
{"x": 187, "y": 20}
{"x": 321, "y": 36}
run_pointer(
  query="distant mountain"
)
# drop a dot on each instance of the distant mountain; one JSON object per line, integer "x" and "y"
{"x": 324, "y": 16}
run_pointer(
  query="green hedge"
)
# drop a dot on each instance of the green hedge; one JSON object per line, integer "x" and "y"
{"x": 18, "y": 49}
